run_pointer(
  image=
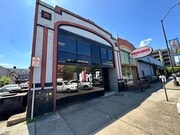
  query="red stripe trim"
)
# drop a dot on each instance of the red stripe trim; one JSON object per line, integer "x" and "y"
{"x": 33, "y": 45}
{"x": 44, "y": 57}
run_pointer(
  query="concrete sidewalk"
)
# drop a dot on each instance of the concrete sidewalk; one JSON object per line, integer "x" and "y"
{"x": 128, "y": 113}
{"x": 170, "y": 85}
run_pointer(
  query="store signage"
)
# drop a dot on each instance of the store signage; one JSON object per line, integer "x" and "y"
{"x": 141, "y": 52}
{"x": 35, "y": 61}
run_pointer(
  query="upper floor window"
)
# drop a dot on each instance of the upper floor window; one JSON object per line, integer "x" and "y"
{"x": 66, "y": 44}
{"x": 84, "y": 48}
{"x": 95, "y": 51}
{"x": 103, "y": 53}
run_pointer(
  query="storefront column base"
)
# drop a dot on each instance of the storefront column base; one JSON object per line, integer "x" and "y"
{"x": 43, "y": 102}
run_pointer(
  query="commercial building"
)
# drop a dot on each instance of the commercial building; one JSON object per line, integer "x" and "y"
{"x": 78, "y": 59}
{"x": 149, "y": 66}
{"x": 163, "y": 56}
{"x": 75, "y": 59}
{"x": 129, "y": 65}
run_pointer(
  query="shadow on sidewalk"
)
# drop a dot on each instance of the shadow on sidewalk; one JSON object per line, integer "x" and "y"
{"x": 92, "y": 115}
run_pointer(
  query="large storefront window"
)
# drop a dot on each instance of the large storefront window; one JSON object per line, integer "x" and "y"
{"x": 77, "y": 80}
{"x": 126, "y": 59}
{"x": 80, "y": 65}
{"x": 129, "y": 69}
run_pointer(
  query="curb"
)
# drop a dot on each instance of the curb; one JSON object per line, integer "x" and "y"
{"x": 16, "y": 119}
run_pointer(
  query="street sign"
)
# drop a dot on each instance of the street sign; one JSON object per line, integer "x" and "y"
{"x": 35, "y": 61}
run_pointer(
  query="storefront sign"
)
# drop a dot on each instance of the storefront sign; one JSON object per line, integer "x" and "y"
{"x": 141, "y": 52}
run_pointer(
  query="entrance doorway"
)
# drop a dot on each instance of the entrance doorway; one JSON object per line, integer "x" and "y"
{"x": 106, "y": 79}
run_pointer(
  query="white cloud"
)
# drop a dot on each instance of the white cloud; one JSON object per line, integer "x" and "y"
{"x": 7, "y": 65}
{"x": 145, "y": 42}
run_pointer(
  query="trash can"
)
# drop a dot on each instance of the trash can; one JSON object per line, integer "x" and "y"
{"x": 121, "y": 85}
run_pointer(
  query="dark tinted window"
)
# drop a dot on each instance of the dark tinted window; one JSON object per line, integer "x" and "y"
{"x": 103, "y": 53}
{"x": 66, "y": 44}
{"x": 96, "y": 51}
{"x": 96, "y": 61}
{"x": 84, "y": 59}
{"x": 110, "y": 55}
{"x": 66, "y": 57}
{"x": 84, "y": 48}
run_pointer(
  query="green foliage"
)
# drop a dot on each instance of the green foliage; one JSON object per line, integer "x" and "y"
{"x": 178, "y": 52}
{"x": 176, "y": 69}
{"x": 4, "y": 80}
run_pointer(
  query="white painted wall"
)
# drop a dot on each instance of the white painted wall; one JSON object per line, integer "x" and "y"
{"x": 86, "y": 34}
{"x": 38, "y": 53}
{"x": 49, "y": 62}
{"x": 148, "y": 69}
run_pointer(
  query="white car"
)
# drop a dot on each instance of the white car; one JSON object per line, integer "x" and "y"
{"x": 82, "y": 85}
{"x": 5, "y": 92}
{"x": 65, "y": 86}
{"x": 24, "y": 85}
{"x": 12, "y": 87}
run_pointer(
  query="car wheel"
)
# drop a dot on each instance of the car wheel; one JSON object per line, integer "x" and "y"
{"x": 68, "y": 90}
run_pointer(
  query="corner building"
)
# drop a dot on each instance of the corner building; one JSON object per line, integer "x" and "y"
{"x": 78, "y": 59}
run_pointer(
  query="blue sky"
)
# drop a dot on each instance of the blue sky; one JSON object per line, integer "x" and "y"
{"x": 134, "y": 20}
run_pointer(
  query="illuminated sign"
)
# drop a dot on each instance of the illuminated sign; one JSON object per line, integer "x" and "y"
{"x": 141, "y": 52}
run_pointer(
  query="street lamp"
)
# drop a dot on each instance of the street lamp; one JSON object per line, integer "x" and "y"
{"x": 165, "y": 37}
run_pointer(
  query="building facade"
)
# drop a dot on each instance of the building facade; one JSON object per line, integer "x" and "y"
{"x": 129, "y": 65}
{"x": 163, "y": 56}
{"x": 149, "y": 66}
{"x": 3, "y": 71}
{"x": 77, "y": 59}
{"x": 15, "y": 74}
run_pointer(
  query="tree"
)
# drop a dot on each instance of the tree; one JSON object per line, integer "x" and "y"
{"x": 4, "y": 80}
{"x": 178, "y": 52}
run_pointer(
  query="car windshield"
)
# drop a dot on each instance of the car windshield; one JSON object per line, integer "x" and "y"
{"x": 3, "y": 90}
{"x": 66, "y": 83}
{"x": 13, "y": 85}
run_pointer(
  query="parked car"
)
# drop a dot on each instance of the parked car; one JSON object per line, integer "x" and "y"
{"x": 5, "y": 92}
{"x": 82, "y": 85}
{"x": 12, "y": 87}
{"x": 24, "y": 85}
{"x": 65, "y": 86}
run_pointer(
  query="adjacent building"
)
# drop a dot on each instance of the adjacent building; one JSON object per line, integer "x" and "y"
{"x": 16, "y": 74}
{"x": 149, "y": 66}
{"x": 129, "y": 65}
{"x": 163, "y": 56}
